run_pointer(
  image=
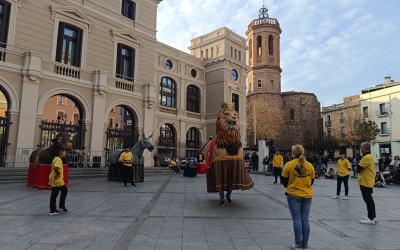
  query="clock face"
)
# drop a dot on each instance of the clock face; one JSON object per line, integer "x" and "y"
{"x": 234, "y": 75}
{"x": 168, "y": 64}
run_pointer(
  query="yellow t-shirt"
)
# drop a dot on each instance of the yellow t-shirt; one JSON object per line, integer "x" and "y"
{"x": 59, "y": 182}
{"x": 366, "y": 177}
{"x": 343, "y": 167}
{"x": 277, "y": 162}
{"x": 299, "y": 185}
{"x": 172, "y": 163}
{"x": 126, "y": 156}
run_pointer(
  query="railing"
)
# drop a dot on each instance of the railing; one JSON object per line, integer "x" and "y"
{"x": 265, "y": 20}
{"x": 19, "y": 157}
{"x": 124, "y": 85}
{"x": 2, "y": 55}
{"x": 328, "y": 123}
{"x": 66, "y": 70}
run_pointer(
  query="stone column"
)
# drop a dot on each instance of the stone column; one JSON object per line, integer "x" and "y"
{"x": 99, "y": 109}
{"x": 32, "y": 73}
{"x": 262, "y": 152}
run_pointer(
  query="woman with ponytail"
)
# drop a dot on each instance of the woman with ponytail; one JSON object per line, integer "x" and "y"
{"x": 298, "y": 177}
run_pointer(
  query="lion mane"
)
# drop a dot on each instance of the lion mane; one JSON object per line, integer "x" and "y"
{"x": 227, "y": 138}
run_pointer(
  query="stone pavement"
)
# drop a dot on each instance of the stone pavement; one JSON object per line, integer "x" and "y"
{"x": 173, "y": 212}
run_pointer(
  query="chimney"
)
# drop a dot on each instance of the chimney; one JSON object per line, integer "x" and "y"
{"x": 387, "y": 80}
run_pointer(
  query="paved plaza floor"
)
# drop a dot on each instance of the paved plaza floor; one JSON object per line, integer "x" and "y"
{"x": 173, "y": 212}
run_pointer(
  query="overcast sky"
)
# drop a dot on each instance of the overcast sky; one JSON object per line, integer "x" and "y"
{"x": 333, "y": 48}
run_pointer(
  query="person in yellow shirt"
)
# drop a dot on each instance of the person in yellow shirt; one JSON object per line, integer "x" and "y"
{"x": 56, "y": 181}
{"x": 366, "y": 180}
{"x": 277, "y": 162}
{"x": 126, "y": 158}
{"x": 342, "y": 176}
{"x": 298, "y": 177}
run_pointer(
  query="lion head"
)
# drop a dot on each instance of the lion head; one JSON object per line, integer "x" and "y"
{"x": 228, "y": 129}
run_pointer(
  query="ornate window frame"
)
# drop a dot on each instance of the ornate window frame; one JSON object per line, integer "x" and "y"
{"x": 74, "y": 16}
{"x": 129, "y": 38}
{"x": 12, "y": 22}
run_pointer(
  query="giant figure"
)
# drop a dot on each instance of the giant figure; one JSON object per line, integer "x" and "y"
{"x": 47, "y": 154}
{"x": 224, "y": 157}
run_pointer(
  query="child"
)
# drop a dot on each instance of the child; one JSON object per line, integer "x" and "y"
{"x": 330, "y": 174}
{"x": 56, "y": 181}
{"x": 379, "y": 181}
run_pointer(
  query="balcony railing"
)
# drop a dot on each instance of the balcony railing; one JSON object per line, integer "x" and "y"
{"x": 2, "y": 55}
{"x": 124, "y": 85}
{"x": 328, "y": 123}
{"x": 67, "y": 70}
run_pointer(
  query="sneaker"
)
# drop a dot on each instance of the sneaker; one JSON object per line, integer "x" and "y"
{"x": 305, "y": 248}
{"x": 375, "y": 219}
{"x": 54, "y": 212}
{"x": 346, "y": 197}
{"x": 274, "y": 182}
{"x": 229, "y": 200}
{"x": 133, "y": 184}
{"x": 367, "y": 221}
{"x": 335, "y": 197}
{"x": 63, "y": 210}
{"x": 222, "y": 203}
{"x": 295, "y": 246}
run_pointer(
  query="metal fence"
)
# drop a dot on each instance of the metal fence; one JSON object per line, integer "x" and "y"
{"x": 19, "y": 157}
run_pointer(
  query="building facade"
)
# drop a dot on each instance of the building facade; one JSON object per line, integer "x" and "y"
{"x": 381, "y": 103}
{"x": 104, "y": 55}
{"x": 338, "y": 119}
{"x": 288, "y": 117}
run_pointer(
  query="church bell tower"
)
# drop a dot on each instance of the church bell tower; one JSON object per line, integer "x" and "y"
{"x": 263, "y": 38}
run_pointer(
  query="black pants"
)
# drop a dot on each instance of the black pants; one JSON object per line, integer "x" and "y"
{"x": 367, "y": 196}
{"x": 345, "y": 180}
{"x": 128, "y": 174}
{"x": 54, "y": 195}
{"x": 278, "y": 172}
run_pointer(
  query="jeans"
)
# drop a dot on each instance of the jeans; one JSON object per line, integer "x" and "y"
{"x": 345, "y": 180}
{"x": 255, "y": 165}
{"x": 367, "y": 196}
{"x": 300, "y": 210}
{"x": 128, "y": 174}
{"x": 278, "y": 172}
{"x": 354, "y": 172}
{"x": 54, "y": 195}
{"x": 228, "y": 193}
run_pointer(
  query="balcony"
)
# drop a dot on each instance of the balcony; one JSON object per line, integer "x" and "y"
{"x": 341, "y": 120}
{"x": 328, "y": 123}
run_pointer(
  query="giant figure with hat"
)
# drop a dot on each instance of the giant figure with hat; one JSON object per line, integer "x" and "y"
{"x": 224, "y": 156}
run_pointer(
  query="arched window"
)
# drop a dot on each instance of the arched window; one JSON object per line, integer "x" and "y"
{"x": 166, "y": 135}
{"x": 193, "y": 99}
{"x": 250, "y": 48}
{"x": 291, "y": 114}
{"x": 259, "y": 83}
{"x": 192, "y": 142}
{"x": 167, "y": 92}
{"x": 259, "y": 45}
{"x": 272, "y": 83}
{"x": 271, "y": 44}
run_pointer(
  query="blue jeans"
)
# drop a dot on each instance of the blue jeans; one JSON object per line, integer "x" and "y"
{"x": 300, "y": 210}
{"x": 255, "y": 165}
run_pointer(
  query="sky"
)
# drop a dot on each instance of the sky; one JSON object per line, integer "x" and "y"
{"x": 333, "y": 48}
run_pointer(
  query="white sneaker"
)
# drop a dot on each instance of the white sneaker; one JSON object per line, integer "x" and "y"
{"x": 335, "y": 197}
{"x": 367, "y": 221}
{"x": 375, "y": 219}
{"x": 295, "y": 246}
{"x": 346, "y": 197}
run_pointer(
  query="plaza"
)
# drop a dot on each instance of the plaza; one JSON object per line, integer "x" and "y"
{"x": 169, "y": 211}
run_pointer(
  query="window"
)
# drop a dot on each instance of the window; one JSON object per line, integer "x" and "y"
{"x": 5, "y": 8}
{"x": 201, "y": 53}
{"x": 125, "y": 62}
{"x": 193, "y": 73}
{"x": 128, "y": 9}
{"x": 272, "y": 83}
{"x": 168, "y": 64}
{"x": 259, "y": 45}
{"x": 166, "y": 135}
{"x": 235, "y": 53}
{"x": 271, "y": 44}
{"x": 69, "y": 44}
{"x": 250, "y": 48}
{"x": 342, "y": 131}
{"x": 231, "y": 52}
{"x": 167, "y": 92}
{"x": 329, "y": 131}
{"x": 341, "y": 118}
{"x": 384, "y": 128}
{"x": 193, "y": 99}
{"x": 235, "y": 101}
{"x": 365, "y": 112}
{"x": 206, "y": 53}
{"x": 212, "y": 51}
{"x": 259, "y": 83}
{"x": 61, "y": 100}
{"x": 234, "y": 74}
{"x": 76, "y": 118}
{"x": 328, "y": 120}
{"x": 193, "y": 134}
{"x": 60, "y": 115}
{"x": 240, "y": 56}
{"x": 382, "y": 109}
{"x": 292, "y": 114}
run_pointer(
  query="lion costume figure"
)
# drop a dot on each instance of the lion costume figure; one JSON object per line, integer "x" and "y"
{"x": 224, "y": 156}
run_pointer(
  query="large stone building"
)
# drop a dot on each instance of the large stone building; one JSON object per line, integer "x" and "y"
{"x": 339, "y": 119}
{"x": 288, "y": 117}
{"x": 103, "y": 54}
{"x": 381, "y": 103}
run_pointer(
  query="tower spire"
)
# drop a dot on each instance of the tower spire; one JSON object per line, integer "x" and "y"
{"x": 263, "y": 11}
